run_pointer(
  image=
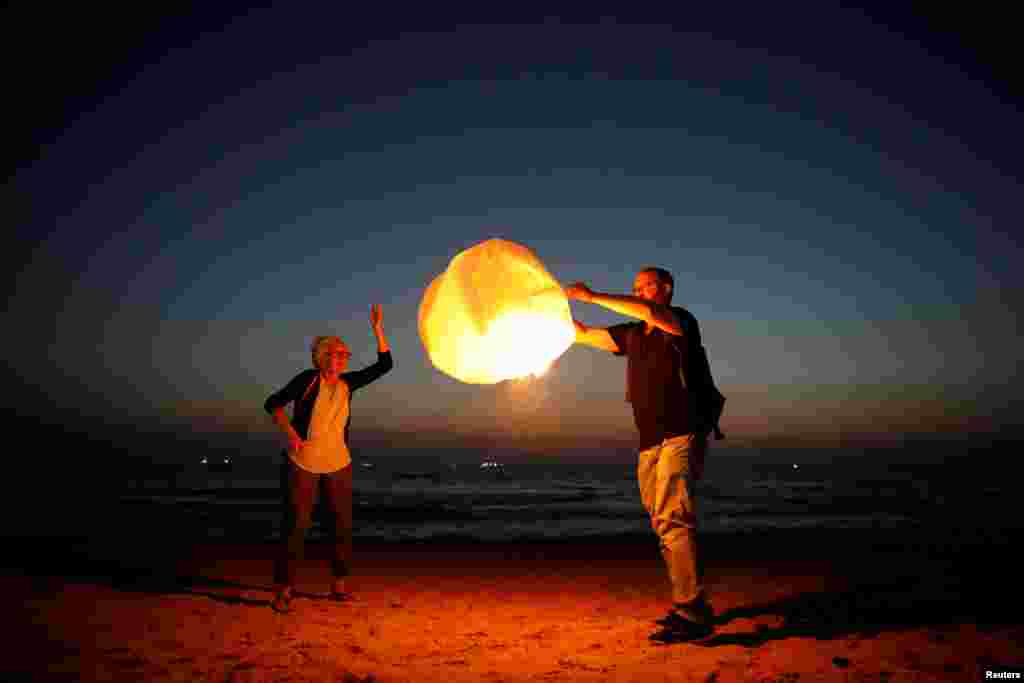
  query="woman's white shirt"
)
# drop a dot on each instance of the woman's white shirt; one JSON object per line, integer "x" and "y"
{"x": 325, "y": 450}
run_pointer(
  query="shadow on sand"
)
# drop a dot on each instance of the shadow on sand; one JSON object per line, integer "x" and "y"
{"x": 218, "y": 590}
{"x": 941, "y": 595}
{"x": 147, "y": 580}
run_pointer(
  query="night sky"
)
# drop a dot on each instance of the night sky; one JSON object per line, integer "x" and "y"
{"x": 197, "y": 195}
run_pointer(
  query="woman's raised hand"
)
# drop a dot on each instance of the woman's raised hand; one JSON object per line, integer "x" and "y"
{"x": 377, "y": 321}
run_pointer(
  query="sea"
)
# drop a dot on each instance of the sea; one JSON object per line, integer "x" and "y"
{"x": 403, "y": 496}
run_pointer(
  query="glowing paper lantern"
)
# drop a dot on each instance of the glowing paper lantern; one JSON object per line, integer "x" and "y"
{"x": 495, "y": 314}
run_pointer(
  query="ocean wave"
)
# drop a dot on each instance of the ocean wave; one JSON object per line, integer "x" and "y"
{"x": 548, "y": 501}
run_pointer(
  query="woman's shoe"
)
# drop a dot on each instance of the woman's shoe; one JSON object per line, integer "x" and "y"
{"x": 338, "y": 592}
{"x": 282, "y": 603}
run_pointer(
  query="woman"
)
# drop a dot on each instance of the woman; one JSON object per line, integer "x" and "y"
{"x": 318, "y": 455}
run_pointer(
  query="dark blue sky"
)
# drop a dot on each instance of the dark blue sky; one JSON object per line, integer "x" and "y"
{"x": 198, "y": 195}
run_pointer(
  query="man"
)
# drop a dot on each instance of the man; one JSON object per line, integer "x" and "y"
{"x": 668, "y": 383}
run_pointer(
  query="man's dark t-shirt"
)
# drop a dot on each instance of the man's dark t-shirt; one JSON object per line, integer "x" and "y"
{"x": 657, "y": 363}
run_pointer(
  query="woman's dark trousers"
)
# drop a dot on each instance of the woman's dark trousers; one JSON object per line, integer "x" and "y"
{"x": 300, "y": 489}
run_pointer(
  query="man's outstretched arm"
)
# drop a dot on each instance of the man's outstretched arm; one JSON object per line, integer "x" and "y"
{"x": 650, "y": 312}
{"x": 598, "y": 337}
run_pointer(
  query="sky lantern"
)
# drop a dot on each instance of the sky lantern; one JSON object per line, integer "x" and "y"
{"x": 495, "y": 314}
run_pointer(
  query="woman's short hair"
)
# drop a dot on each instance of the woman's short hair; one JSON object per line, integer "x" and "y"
{"x": 319, "y": 347}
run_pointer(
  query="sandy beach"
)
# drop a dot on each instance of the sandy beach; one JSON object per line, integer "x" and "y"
{"x": 797, "y": 607}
